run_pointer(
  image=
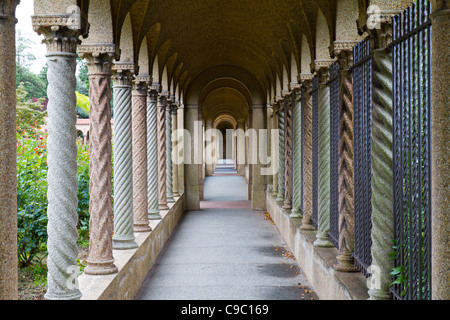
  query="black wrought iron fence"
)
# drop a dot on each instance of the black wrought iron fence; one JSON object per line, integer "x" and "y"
{"x": 362, "y": 99}
{"x": 315, "y": 145}
{"x": 411, "y": 52}
{"x": 334, "y": 154}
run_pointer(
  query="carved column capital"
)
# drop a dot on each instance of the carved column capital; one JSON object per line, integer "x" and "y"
{"x": 99, "y": 58}
{"x": 61, "y": 32}
{"x": 140, "y": 85}
{"x": 322, "y": 69}
{"x": 123, "y": 73}
{"x": 8, "y": 9}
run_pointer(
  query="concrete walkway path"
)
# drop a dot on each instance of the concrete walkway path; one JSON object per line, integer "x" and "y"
{"x": 225, "y": 251}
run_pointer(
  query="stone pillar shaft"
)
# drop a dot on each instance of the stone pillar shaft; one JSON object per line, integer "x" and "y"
{"x": 8, "y": 165}
{"x": 346, "y": 167}
{"x": 258, "y": 181}
{"x": 162, "y": 166}
{"x": 307, "y": 106}
{"x": 100, "y": 260}
{"x": 123, "y": 159}
{"x": 297, "y": 156}
{"x": 152, "y": 156}
{"x": 176, "y": 191}
{"x": 322, "y": 238}
{"x": 62, "y": 197}
{"x": 169, "y": 162}
{"x": 139, "y": 147}
{"x": 281, "y": 150}
{"x": 288, "y": 156}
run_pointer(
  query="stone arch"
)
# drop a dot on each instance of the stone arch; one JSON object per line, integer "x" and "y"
{"x": 323, "y": 40}
{"x": 143, "y": 59}
{"x": 126, "y": 41}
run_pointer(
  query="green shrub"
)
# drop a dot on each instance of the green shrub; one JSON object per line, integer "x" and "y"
{"x": 32, "y": 195}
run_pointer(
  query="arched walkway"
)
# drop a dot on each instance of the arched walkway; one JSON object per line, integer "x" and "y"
{"x": 225, "y": 251}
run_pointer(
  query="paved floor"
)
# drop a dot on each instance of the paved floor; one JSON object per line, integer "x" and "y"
{"x": 225, "y": 251}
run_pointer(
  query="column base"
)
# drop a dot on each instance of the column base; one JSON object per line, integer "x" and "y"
{"x": 163, "y": 206}
{"x": 296, "y": 214}
{"x": 75, "y": 295}
{"x": 307, "y": 226}
{"x": 377, "y": 294}
{"x": 345, "y": 263}
{"x": 154, "y": 216}
{"x": 170, "y": 199}
{"x": 124, "y": 244}
{"x": 97, "y": 268}
{"x": 142, "y": 228}
{"x": 322, "y": 241}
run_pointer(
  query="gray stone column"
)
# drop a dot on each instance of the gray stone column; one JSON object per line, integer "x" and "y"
{"x": 258, "y": 181}
{"x": 181, "y": 150}
{"x": 322, "y": 238}
{"x": 152, "y": 154}
{"x": 281, "y": 151}
{"x": 288, "y": 159}
{"x": 440, "y": 176}
{"x": 297, "y": 156}
{"x": 8, "y": 165}
{"x": 62, "y": 197}
{"x": 139, "y": 147}
{"x": 191, "y": 168}
{"x": 100, "y": 260}
{"x": 176, "y": 192}
{"x": 275, "y": 150}
{"x": 269, "y": 177}
{"x": 241, "y": 151}
{"x": 123, "y": 160}
{"x": 169, "y": 162}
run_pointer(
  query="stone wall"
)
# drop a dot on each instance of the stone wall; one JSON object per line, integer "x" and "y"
{"x": 317, "y": 262}
{"x": 135, "y": 264}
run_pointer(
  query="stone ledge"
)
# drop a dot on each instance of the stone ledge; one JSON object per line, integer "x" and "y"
{"x": 133, "y": 265}
{"x": 316, "y": 262}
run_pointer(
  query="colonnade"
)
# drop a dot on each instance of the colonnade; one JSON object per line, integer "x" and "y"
{"x": 147, "y": 113}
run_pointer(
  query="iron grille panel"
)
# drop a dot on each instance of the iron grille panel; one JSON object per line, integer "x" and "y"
{"x": 362, "y": 79}
{"x": 411, "y": 54}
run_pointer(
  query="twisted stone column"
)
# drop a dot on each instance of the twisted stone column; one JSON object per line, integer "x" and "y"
{"x": 8, "y": 153}
{"x": 297, "y": 156}
{"x": 100, "y": 260}
{"x": 139, "y": 147}
{"x": 345, "y": 261}
{"x": 382, "y": 175}
{"x": 169, "y": 168}
{"x": 307, "y": 107}
{"x": 322, "y": 238}
{"x": 287, "y": 205}
{"x": 152, "y": 155}
{"x": 162, "y": 166}
{"x": 176, "y": 191}
{"x": 62, "y": 159}
{"x": 123, "y": 159}
{"x": 274, "y": 150}
{"x": 281, "y": 154}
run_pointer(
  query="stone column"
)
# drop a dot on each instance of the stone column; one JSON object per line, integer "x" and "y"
{"x": 281, "y": 152}
{"x": 440, "y": 176}
{"x": 345, "y": 261}
{"x": 258, "y": 182}
{"x": 62, "y": 197}
{"x": 191, "y": 168}
{"x": 8, "y": 154}
{"x": 169, "y": 162}
{"x": 241, "y": 151}
{"x": 176, "y": 192}
{"x": 269, "y": 175}
{"x": 275, "y": 149}
{"x": 297, "y": 155}
{"x": 322, "y": 238}
{"x": 139, "y": 147}
{"x": 99, "y": 61}
{"x": 200, "y": 154}
{"x": 152, "y": 154}
{"x": 288, "y": 148}
{"x": 181, "y": 150}
{"x": 162, "y": 165}
{"x": 307, "y": 107}
{"x": 123, "y": 160}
